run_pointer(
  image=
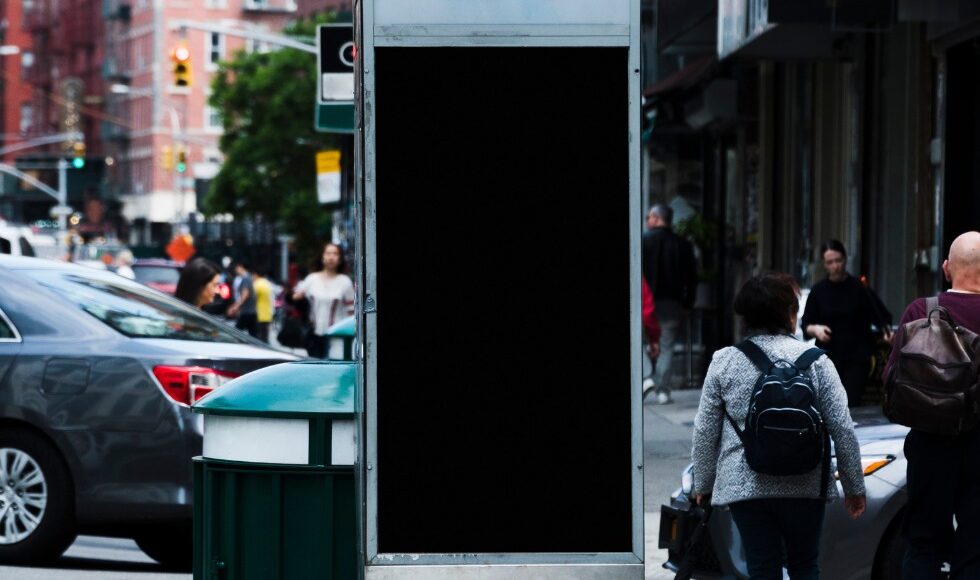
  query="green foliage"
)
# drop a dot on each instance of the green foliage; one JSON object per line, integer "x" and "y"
{"x": 269, "y": 143}
{"x": 698, "y": 231}
{"x": 703, "y": 234}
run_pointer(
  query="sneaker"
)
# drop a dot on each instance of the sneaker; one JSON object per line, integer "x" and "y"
{"x": 648, "y": 385}
{"x": 663, "y": 398}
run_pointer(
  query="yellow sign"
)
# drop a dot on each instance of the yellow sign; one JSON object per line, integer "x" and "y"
{"x": 328, "y": 183}
{"x": 328, "y": 162}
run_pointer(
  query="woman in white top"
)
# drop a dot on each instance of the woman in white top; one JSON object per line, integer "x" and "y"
{"x": 331, "y": 297}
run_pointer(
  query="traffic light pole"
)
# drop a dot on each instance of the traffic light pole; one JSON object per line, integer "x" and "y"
{"x": 183, "y": 25}
{"x": 62, "y": 202}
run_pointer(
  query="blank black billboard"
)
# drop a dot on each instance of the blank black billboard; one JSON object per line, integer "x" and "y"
{"x": 502, "y": 200}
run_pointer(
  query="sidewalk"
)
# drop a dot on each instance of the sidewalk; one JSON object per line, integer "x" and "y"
{"x": 667, "y": 433}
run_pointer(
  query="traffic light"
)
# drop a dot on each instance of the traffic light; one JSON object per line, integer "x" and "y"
{"x": 181, "y": 159}
{"x": 78, "y": 154}
{"x": 181, "y": 58}
{"x": 167, "y": 158}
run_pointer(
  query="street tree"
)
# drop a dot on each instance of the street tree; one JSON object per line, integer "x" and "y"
{"x": 266, "y": 102}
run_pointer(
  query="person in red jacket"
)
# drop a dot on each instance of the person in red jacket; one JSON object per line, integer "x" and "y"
{"x": 652, "y": 330}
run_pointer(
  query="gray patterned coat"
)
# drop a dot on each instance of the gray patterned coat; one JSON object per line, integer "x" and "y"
{"x": 720, "y": 468}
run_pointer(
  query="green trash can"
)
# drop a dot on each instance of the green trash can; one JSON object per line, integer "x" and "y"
{"x": 274, "y": 489}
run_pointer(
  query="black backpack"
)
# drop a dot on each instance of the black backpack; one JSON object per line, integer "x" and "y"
{"x": 933, "y": 385}
{"x": 784, "y": 433}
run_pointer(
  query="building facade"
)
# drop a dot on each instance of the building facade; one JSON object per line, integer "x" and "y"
{"x": 786, "y": 123}
{"x": 166, "y": 123}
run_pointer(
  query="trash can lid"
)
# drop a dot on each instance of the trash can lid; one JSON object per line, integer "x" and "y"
{"x": 346, "y": 327}
{"x": 288, "y": 390}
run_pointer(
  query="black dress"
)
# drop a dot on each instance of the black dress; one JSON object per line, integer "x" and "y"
{"x": 849, "y": 309}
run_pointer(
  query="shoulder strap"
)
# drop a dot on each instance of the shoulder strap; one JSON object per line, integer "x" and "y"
{"x": 755, "y": 354}
{"x": 932, "y": 303}
{"x": 808, "y": 358}
{"x": 739, "y": 432}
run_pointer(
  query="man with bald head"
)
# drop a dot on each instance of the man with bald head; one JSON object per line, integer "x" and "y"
{"x": 943, "y": 472}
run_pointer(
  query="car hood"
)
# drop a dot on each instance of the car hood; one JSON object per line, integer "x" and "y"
{"x": 871, "y": 425}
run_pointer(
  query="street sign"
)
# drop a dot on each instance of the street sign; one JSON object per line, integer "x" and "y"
{"x": 61, "y": 210}
{"x": 335, "y": 117}
{"x": 328, "y": 176}
{"x": 335, "y": 79}
{"x": 335, "y": 55}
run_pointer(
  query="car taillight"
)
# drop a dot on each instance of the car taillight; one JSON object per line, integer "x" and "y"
{"x": 224, "y": 291}
{"x": 187, "y": 385}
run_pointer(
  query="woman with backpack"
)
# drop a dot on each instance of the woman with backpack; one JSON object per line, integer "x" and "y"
{"x": 761, "y": 435}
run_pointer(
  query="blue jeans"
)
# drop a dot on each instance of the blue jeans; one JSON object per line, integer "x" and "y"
{"x": 773, "y": 527}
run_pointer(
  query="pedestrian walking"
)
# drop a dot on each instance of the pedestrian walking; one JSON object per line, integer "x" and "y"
{"x": 331, "y": 296}
{"x": 264, "y": 304}
{"x": 243, "y": 309}
{"x": 669, "y": 270}
{"x": 943, "y": 477}
{"x": 775, "y": 478}
{"x": 198, "y": 282}
{"x": 839, "y": 313}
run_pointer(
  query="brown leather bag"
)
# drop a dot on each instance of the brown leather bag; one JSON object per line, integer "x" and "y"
{"x": 933, "y": 385}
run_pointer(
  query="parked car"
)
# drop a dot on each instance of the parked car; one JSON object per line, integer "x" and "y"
{"x": 21, "y": 240}
{"x": 97, "y": 374}
{"x": 869, "y": 547}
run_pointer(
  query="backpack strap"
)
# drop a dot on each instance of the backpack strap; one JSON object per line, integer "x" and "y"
{"x": 932, "y": 303}
{"x": 808, "y": 358}
{"x": 755, "y": 353}
{"x": 738, "y": 431}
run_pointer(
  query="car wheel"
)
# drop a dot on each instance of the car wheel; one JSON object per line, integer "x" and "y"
{"x": 888, "y": 564}
{"x": 172, "y": 546}
{"x": 37, "y": 516}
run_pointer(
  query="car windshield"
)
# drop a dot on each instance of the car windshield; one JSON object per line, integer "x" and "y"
{"x": 156, "y": 274}
{"x": 132, "y": 309}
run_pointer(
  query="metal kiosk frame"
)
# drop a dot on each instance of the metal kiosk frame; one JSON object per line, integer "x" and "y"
{"x": 384, "y": 24}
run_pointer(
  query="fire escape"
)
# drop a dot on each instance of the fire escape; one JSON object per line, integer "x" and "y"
{"x": 116, "y": 70}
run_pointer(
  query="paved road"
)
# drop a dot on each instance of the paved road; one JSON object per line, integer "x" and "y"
{"x": 91, "y": 558}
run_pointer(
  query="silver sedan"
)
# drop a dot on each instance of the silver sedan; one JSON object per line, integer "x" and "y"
{"x": 869, "y": 547}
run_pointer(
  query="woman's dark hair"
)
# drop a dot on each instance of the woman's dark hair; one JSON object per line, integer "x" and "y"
{"x": 834, "y": 245}
{"x": 318, "y": 262}
{"x": 768, "y": 302}
{"x": 194, "y": 277}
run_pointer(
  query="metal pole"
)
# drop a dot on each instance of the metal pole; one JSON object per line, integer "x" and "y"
{"x": 284, "y": 257}
{"x": 62, "y": 201}
{"x": 179, "y": 145}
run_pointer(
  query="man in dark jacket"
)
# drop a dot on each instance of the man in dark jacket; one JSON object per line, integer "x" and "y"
{"x": 944, "y": 473}
{"x": 669, "y": 270}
